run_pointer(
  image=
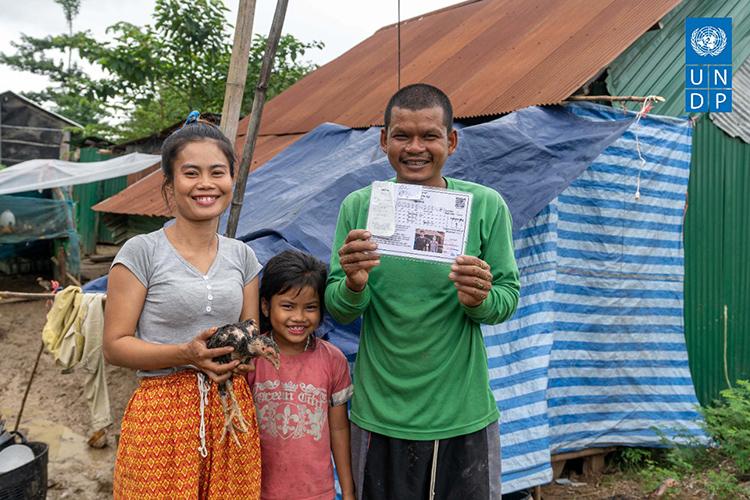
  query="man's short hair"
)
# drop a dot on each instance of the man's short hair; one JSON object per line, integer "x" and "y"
{"x": 421, "y": 96}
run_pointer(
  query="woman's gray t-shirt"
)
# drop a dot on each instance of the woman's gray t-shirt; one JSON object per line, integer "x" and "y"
{"x": 180, "y": 300}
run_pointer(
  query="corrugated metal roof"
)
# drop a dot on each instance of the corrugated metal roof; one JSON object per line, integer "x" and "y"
{"x": 144, "y": 197}
{"x": 490, "y": 56}
{"x": 40, "y": 108}
{"x": 737, "y": 123}
{"x": 655, "y": 64}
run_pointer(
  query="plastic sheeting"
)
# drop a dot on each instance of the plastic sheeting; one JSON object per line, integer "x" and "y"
{"x": 35, "y": 175}
{"x": 34, "y": 219}
{"x": 25, "y": 219}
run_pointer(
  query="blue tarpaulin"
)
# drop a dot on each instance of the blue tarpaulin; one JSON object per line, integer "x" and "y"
{"x": 528, "y": 156}
{"x": 595, "y": 354}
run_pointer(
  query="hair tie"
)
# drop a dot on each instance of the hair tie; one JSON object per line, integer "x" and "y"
{"x": 192, "y": 117}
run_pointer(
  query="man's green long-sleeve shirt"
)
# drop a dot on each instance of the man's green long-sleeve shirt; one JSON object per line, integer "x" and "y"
{"x": 421, "y": 370}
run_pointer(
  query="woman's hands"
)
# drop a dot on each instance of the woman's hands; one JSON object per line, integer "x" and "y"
{"x": 200, "y": 356}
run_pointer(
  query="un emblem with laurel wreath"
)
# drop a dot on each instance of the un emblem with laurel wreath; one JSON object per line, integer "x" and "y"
{"x": 708, "y": 41}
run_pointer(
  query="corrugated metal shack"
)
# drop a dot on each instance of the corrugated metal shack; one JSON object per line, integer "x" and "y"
{"x": 28, "y": 131}
{"x": 717, "y": 221}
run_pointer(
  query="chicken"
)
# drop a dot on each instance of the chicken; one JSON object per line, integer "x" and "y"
{"x": 248, "y": 343}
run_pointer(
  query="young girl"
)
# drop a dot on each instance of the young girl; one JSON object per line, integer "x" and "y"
{"x": 301, "y": 407}
{"x": 167, "y": 292}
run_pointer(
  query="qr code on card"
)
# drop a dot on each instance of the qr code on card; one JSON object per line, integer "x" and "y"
{"x": 460, "y": 202}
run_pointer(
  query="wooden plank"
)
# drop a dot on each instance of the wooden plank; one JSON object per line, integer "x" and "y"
{"x": 557, "y": 468}
{"x": 593, "y": 465}
{"x": 582, "y": 453}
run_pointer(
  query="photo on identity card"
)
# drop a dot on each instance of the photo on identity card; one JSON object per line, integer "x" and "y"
{"x": 419, "y": 222}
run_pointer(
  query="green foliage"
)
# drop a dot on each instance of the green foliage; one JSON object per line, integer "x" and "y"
{"x": 721, "y": 484}
{"x": 73, "y": 93}
{"x": 728, "y": 425}
{"x": 728, "y": 422}
{"x": 153, "y": 74}
{"x": 653, "y": 476}
{"x": 633, "y": 459}
{"x": 71, "y": 8}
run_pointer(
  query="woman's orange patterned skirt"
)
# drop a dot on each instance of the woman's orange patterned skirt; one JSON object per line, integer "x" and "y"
{"x": 158, "y": 454}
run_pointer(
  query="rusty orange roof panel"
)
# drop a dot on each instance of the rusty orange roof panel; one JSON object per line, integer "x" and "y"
{"x": 490, "y": 56}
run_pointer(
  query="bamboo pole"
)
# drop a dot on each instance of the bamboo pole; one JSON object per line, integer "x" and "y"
{"x": 243, "y": 35}
{"x": 254, "y": 124}
{"x": 613, "y": 98}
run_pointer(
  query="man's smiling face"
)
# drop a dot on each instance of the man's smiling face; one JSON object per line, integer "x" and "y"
{"x": 418, "y": 144}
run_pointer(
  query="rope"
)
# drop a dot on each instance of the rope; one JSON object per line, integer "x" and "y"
{"x": 433, "y": 473}
{"x": 645, "y": 108}
{"x": 398, "y": 45}
{"x": 203, "y": 388}
{"x": 726, "y": 365}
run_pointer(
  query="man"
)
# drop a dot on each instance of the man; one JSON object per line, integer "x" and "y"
{"x": 424, "y": 420}
{"x": 420, "y": 242}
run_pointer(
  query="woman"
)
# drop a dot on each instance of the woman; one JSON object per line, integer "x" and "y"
{"x": 167, "y": 292}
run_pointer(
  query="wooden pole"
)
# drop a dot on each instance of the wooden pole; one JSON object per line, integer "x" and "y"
{"x": 26, "y": 295}
{"x": 29, "y": 296}
{"x": 613, "y": 98}
{"x": 243, "y": 35}
{"x": 254, "y": 124}
{"x": 28, "y": 387}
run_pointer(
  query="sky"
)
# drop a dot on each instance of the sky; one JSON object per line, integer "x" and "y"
{"x": 340, "y": 24}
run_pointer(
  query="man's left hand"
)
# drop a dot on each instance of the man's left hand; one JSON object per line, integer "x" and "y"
{"x": 473, "y": 279}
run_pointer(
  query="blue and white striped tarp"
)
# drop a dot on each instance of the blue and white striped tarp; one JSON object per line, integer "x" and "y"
{"x": 595, "y": 354}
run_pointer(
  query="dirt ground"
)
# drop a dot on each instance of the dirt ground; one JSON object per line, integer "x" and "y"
{"x": 56, "y": 411}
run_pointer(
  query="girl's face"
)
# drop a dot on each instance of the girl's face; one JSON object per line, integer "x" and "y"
{"x": 294, "y": 315}
{"x": 202, "y": 187}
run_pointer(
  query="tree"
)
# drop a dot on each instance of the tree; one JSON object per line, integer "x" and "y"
{"x": 154, "y": 74}
{"x": 70, "y": 9}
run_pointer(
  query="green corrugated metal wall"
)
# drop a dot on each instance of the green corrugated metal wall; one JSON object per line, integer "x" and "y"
{"x": 717, "y": 223}
{"x": 655, "y": 63}
{"x": 717, "y": 268}
{"x": 108, "y": 188}
{"x": 88, "y": 195}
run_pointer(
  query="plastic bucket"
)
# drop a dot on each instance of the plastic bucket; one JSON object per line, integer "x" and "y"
{"x": 28, "y": 482}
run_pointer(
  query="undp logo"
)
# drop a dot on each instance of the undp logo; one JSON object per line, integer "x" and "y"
{"x": 708, "y": 41}
{"x": 708, "y": 64}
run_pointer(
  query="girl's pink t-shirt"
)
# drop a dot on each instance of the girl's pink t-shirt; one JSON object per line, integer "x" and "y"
{"x": 292, "y": 408}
